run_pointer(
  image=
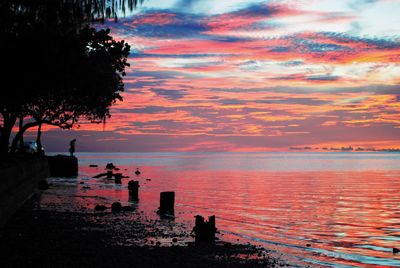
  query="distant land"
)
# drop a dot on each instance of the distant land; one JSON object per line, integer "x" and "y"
{"x": 346, "y": 149}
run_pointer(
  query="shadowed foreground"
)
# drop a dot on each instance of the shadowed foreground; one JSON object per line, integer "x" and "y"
{"x": 47, "y": 238}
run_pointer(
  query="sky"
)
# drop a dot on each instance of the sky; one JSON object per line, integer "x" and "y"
{"x": 253, "y": 75}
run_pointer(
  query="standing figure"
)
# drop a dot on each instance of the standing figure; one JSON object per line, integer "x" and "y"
{"x": 72, "y": 147}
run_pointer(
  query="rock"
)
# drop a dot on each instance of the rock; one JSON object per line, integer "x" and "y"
{"x": 127, "y": 208}
{"x": 110, "y": 166}
{"x": 100, "y": 208}
{"x": 137, "y": 172}
{"x": 116, "y": 207}
{"x": 43, "y": 185}
{"x": 396, "y": 250}
{"x": 93, "y": 165}
{"x": 308, "y": 245}
{"x": 174, "y": 240}
{"x": 63, "y": 166}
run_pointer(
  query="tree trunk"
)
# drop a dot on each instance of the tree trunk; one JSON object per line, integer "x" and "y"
{"x": 38, "y": 141}
{"x": 5, "y": 132}
{"x": 21, "y": 140}
{"x": 21, "y": 133}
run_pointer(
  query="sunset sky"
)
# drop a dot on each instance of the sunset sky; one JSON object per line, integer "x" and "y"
{"x": 248, "y": 75}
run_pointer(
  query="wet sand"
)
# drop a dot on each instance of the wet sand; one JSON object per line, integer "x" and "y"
{"x": 50, "y": 237}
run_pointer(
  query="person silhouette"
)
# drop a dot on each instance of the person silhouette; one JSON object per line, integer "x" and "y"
{"x": 72, "y": 147}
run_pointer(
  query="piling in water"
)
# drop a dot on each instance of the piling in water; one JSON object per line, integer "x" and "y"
{"x": 133, "y": 187}
{"x": 167, "y": 200}
{"x": 205, "y": 230}
{"x": 118, "y": 178}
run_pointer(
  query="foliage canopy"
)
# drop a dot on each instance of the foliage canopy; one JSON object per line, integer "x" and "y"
{"x": 58, "y": 67}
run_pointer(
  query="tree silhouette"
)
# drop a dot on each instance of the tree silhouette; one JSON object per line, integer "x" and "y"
{"x": 60, "y": 69}
{"x": 82, "y": 78}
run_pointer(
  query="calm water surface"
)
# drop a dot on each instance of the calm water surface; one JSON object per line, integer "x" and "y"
{"x": 321, "y": 209}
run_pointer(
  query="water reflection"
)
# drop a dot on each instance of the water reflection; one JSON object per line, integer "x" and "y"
{"x": 327, "y": 216}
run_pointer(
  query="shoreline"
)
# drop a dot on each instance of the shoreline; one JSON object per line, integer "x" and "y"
{"x": 51, "y": 238}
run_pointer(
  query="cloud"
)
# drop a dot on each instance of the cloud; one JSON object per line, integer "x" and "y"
{"x": 358, "y": 5}
{"x": 258, "y": 75}
{"x": 170, "y": 94}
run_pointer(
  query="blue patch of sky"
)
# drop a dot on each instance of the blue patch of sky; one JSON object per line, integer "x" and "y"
{"x": 139, "y": 54}
{"x": 312, "y": 46}
{"x": 147, "y": 110}
{"x": 360, "y": 4}
{"x": 183, "y": 26}
{"x": 383, "y": 43}
{"x": 259, "y": 9}
{"x": 292, "y": 63}
{"x": 322, "y": 78}
{"x": 171, "y": 94}
{"x": 281, "y": 49}
{"x": 156, "y": 74}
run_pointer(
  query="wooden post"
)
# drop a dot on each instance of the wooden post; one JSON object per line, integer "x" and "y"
{"x": 204, "y": 231}
{"x": 211, "y": 228}
{"x": 167, "y": 200}
{"x": 133, "y": 187}
{"x": 118, "y": 178}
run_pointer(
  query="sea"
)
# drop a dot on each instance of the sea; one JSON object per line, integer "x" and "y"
{"x": 333, "y": 209}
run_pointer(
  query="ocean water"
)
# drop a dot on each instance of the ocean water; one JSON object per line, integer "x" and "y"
{"x": 316, "y": 209}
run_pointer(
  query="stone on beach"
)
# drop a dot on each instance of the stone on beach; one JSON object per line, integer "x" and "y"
{"x": 100, "y": 208}
{"x": 116, "y": 207}
{"x": 127, "y": 208}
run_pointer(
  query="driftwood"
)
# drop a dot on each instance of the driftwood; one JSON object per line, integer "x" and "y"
{"x": 109, "y": 174}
